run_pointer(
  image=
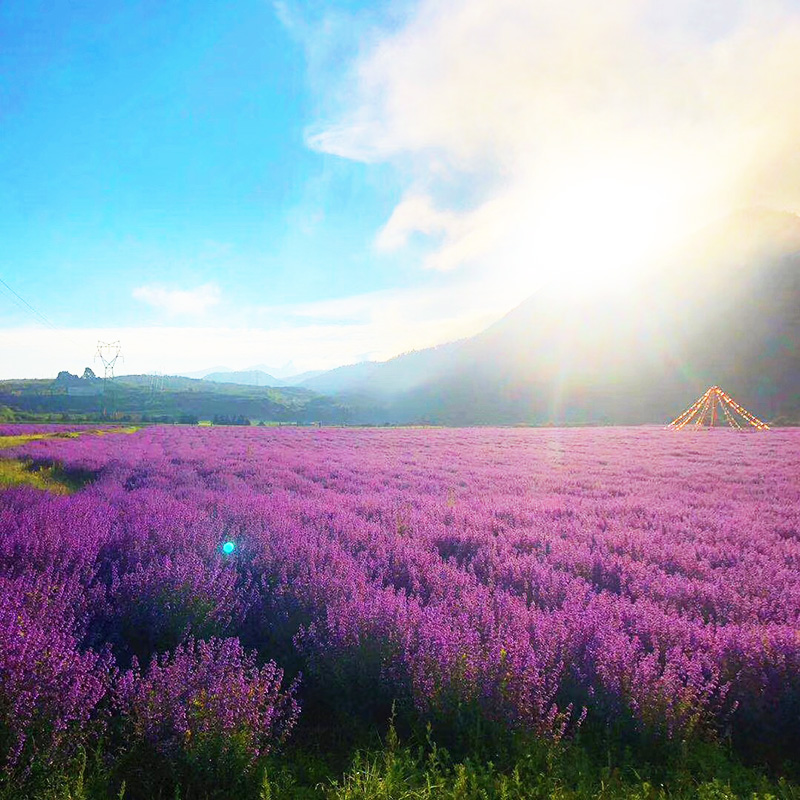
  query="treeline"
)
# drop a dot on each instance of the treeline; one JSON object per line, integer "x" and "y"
{"x": 226, "y": 404}
{"x": 11, "y": 415}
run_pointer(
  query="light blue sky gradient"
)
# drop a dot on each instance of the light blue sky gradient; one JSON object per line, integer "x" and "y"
{"x": 163, "y": 143}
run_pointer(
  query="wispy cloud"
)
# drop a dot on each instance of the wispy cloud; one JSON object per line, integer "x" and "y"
{"x": 415, "y": 214}
{"x": 315, "y": 335}
{"x": 584, "y": 134}
{"x": 179, "y": 302}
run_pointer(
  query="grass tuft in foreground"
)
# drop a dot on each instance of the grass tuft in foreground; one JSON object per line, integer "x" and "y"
{"x": 400, "y": 770}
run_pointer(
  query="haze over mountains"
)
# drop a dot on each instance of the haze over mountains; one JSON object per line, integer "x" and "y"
{"x": 259, "y": 375}
{"x": 723, "y": 308}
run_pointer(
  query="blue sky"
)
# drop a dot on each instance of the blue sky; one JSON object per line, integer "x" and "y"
{"x": 164, "y": 143}
{"x": 259, "y": 183}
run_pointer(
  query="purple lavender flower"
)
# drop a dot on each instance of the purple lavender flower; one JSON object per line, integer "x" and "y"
{"x": 206, "y": 692}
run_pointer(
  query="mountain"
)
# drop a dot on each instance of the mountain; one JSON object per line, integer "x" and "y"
{"x": 722, "y": 308}
{"x": 201, "y": 373}
{"x": 286, "y": 371}
{"x": 301, "y": 377}
{"x": 254, "y": 377}
{"x": 383, "y": 379}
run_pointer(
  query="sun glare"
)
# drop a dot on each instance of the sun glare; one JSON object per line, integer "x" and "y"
{"x": 592, "y": 234}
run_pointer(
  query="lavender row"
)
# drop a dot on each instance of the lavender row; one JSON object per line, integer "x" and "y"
{"x": 537, "y": 576}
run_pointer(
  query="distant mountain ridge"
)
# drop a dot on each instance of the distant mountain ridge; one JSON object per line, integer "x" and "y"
{"x": 722, "y": 308}
{"x": 386, "y": 378}
{"x": 255, "y": 377}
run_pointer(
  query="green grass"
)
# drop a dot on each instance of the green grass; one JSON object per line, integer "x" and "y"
{"x": 7, "y": 442}
{"x": 567, "y": 774}
{"x": 16, "y": 472}
{"x": 389, "y": 768}
{"x": 16, "y": 440}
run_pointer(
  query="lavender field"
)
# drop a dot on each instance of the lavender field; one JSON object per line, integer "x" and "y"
{"x": 207, "y": 588}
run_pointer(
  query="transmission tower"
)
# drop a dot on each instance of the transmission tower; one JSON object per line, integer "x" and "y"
{"x": 108, "y": 353}
{"x": 157, "y": 383}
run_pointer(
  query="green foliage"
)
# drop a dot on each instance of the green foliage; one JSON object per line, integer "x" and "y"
{"x": 182, "y": 400}
{"x": 14, "y": 472}
{"x": 567, "y": 772}
{"x": 391, "y": 768}
{"x": 214, "y": 769}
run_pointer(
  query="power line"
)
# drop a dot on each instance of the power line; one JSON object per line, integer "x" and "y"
{"x": 27, "y": 306}
{"x": 14, "y": 301}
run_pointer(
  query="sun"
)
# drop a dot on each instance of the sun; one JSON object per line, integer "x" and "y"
{"x": 594, "y": 231}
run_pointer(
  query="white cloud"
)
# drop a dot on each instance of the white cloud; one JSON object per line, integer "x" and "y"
{"x": 177, "y": 302}
{"x": 415, "y": 214}
{"x": 587, "y": 134}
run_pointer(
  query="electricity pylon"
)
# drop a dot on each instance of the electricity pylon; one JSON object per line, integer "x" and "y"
{"x": 108, "y": 353}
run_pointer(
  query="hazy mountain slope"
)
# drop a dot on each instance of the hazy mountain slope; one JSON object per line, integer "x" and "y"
{"x": 724, "y": 308}
{"x": 199, "y": 374}
{"x": 252, "y": 377}
{"x": 382, "y": 379}
{"x": 301, "y": 377}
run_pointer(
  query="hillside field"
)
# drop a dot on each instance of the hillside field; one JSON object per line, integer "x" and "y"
{"x": 399, "y": 613}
